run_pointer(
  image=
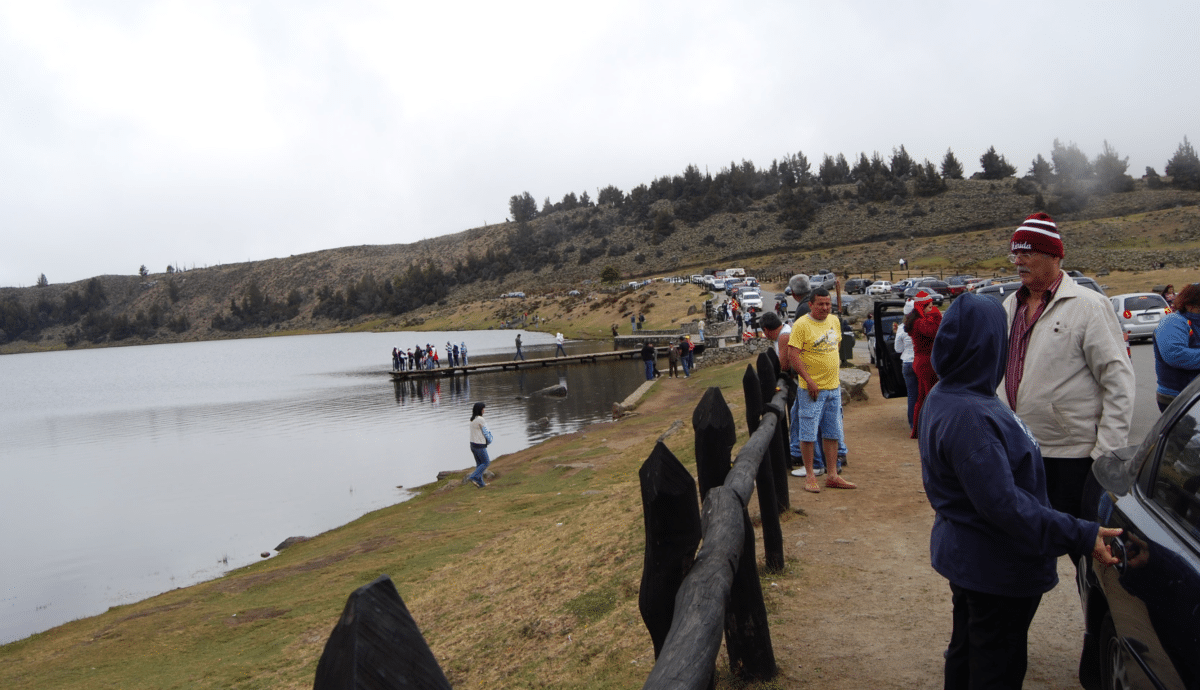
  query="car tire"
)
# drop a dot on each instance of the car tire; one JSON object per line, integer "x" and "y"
{"x": 1112, "y": 663}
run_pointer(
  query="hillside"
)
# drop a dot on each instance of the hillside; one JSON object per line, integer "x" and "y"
{"x": 964, "y": 228}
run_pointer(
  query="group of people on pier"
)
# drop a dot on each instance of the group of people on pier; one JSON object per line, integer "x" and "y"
{"x": 427, "y": 357}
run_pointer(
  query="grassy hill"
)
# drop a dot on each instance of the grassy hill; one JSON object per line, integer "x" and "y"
{"x": 965, "y": 228}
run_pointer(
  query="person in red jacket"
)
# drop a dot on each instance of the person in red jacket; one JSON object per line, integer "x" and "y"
{"x": 924, "y": 329}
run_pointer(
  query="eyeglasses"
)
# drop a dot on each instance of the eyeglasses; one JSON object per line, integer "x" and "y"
{"x": 1012, "y": 258}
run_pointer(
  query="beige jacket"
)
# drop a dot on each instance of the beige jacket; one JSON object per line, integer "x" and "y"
{"x": 1076, "y": 393}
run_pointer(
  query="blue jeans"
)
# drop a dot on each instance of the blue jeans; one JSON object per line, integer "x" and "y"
{"x": 910, "y": 382}
{"x": 481, "y": 462}
{"x": 686, "y": 360}
{"x": 794, "y": 435}
{"x": 649, "y": 369}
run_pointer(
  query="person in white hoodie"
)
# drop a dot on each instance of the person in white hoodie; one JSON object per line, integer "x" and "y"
{"x": 481, "y": 438}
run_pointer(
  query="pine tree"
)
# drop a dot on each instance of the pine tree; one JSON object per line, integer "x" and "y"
{"x": 951, "y": 168}
{"x": 1184, "y": 167}
{"x": 1041, "y": 170}
{"x": 42, "y": 281}
{"x": 995, "y": 166}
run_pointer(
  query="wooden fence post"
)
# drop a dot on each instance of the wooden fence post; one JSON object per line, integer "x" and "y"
{"x": 768, "y": 502}
{"x": 715, "y": 434}
{"x": 695, "y": 637}
{"x": 377, "y": 644}
{"x": 672, "y": 517}
{"x": 768, "y": 377}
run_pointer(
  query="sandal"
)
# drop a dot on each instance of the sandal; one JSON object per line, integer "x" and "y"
{"x": 812, "y": 487}
{"x": 835, "y": 481}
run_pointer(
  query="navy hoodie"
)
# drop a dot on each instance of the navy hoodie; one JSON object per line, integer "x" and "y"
{"x": 994, "y": 531}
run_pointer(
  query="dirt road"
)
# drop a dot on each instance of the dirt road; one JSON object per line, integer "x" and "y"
{"x": 862, "y": 607}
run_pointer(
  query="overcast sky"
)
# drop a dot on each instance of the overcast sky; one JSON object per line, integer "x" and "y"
{"x": 195, "y": 133}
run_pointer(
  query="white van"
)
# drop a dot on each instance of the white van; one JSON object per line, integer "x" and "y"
{"x": 735, "y": 272}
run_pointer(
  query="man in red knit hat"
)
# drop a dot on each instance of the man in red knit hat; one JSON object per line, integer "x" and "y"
{"x": 1067, "y": 376}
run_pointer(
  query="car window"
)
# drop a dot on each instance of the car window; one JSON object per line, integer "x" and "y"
{"x": 1143, "y": 302}
{"x": 1176, "y": 487}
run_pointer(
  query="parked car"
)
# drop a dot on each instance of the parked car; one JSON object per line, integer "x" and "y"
{"x": 887, "y": 361}
{"x": 900, "y": 286}
{"x": 941, "y": 287}
{"x": 857, "y": 286}
{"x": 879, "y": 287}
{"x": 1140, "y": 624}
{"x": 750, "y": 299}
{"x": 998, "y": 291}
{"x": 958, "y": 284}
{"x": 574, "y": 293}
{"x": 911, "y": 293}
{"x": 1139, "y": 313}
{"x": 697, "y": 279}
{"x": 718, "y": 285}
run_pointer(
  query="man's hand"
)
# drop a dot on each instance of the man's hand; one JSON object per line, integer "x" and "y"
{"x": 813, "y": 390}
{"x": 1101, "y": 551}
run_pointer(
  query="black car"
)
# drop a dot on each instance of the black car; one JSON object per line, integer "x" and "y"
{"x": 887, "y": 360}
{"x": 911, "y": 293}
{"x": 1142, "y": 615}
{"x": 857, "y": 286}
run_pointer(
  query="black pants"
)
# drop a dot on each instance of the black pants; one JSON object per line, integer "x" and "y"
{"x": 1065, "y": 478}
{"x": 989, "y": 646}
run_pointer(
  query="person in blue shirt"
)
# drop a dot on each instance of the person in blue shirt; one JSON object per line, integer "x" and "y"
{"x": 995, "y": 536}
{"x": 1177, "y": 347}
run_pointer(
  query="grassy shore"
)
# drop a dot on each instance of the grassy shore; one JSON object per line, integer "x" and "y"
{"x": 531, "y": 582}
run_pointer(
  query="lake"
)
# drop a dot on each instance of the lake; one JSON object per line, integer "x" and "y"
{"x": 126, "y": 472}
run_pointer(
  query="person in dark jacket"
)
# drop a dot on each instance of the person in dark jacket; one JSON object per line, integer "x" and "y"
{"x": 995, "y": 536}
{"x": 648, "y": 356}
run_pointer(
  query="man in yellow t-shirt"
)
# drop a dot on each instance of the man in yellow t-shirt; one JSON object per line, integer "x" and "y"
{"x": 813, "y": 353}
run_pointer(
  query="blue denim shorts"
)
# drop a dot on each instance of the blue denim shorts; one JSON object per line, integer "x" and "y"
{"x": 824, "y": 415}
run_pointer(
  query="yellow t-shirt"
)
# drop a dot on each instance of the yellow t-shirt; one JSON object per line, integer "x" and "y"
{"x": 818, "y": 342}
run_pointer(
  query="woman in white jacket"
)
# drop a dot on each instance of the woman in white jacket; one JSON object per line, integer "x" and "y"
{"x": 481, "y": 437}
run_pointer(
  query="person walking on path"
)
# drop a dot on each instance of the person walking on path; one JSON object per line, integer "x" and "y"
{"x": 673, "y": 360}
{"x": 558, "y": 345}
{"x": 1068, "y": 376}
{"x": 481, "y": 438}
{"x": 1177, "y": 347}
{"x": 701, "y": 328}
{"x": 924, "y": 328}
{"x": 648, "y": 355}
{"x": 519, "y": 354}
{"x": 813, "y": 350}
{"x": 995, "y": 536}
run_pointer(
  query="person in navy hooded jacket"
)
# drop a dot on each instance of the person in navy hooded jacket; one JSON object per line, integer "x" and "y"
{"x": 995, "y": 536}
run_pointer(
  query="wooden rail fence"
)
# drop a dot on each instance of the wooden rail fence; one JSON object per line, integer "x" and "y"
{"x": 689, "y": 600}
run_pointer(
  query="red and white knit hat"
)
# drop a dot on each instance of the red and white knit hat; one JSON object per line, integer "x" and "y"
{"x": 922, "y": 296}
{"x": 1038, "y": 234}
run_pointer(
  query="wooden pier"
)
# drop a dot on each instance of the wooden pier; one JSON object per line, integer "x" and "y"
{"x": 591, "y": 357}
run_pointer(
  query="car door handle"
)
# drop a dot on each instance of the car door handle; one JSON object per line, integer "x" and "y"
{"x": 1119, "y": 552}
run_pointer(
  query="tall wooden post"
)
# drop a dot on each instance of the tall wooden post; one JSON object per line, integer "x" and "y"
{"x": 672, "y": 518}
{"x": 768, "y": 378}
{"x": 715, "y": 434}
{"x": 768, "y": 503}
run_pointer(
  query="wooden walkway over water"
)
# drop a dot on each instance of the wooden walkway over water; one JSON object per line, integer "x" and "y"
{"x": 591, "y": 357}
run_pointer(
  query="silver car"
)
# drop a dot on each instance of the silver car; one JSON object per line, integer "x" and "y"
{"x": 1139, "y": 313}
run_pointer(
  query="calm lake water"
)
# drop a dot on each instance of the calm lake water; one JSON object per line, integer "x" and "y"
{"x": 126, "y": 472}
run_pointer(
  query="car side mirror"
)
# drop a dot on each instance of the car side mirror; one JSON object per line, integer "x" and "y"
{"x": 1116, "y": 470}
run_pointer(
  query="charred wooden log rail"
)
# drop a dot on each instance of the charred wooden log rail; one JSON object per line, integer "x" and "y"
{"x": 720, "y": 593}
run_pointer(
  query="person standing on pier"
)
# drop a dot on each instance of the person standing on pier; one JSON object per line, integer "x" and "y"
{"x": 462, "y": 352}
{"x": 481, "y": 438}
{"x": 558, "y": 341}
{"x": 519, "y": 354}
{"x": 648, "y": 355}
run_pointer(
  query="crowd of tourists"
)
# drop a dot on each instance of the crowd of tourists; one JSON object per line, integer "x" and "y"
{"x": 418, "y": 358}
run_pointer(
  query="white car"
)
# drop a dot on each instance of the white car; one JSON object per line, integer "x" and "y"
{"x": 879, "y": 287}
{"x": 718, "y": 285}
{"x": 750, "y": 299}
{"x": 1139, "y": 313}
